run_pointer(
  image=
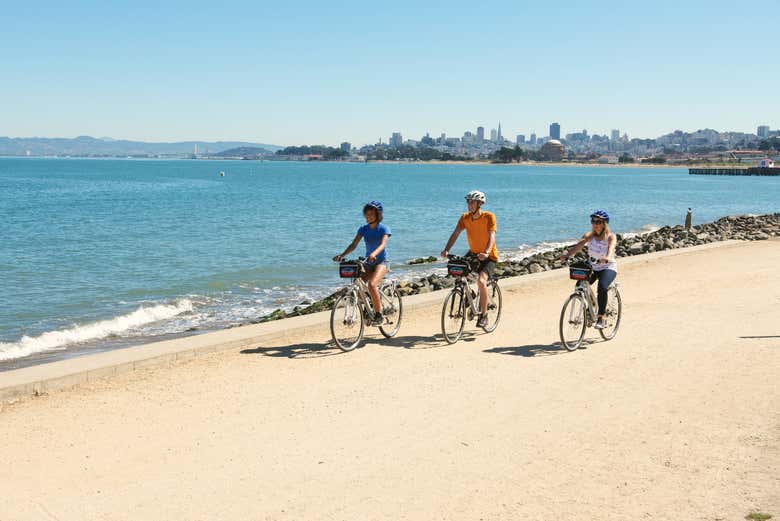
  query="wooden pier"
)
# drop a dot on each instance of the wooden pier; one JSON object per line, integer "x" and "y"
{"x": 735, "y": 171}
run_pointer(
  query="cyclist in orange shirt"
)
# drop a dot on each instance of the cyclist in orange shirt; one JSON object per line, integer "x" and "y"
{"x": 480, "y": 229}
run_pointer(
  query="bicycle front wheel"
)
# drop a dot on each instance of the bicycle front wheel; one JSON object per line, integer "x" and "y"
{"x": 392, "y": 309}
{"x": 493, "y": 307}
{"x": 346, "y": 322}
{"x": 612, "y": 315}
{"x": 573, "y": 322}
{"x": 453, "y": 316}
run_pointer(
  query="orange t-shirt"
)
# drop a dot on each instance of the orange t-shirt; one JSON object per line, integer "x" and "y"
{"x": 478, "y": 232}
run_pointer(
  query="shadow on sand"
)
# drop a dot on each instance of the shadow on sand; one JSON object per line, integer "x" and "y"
{"x": 761, "y": 336}
{"x": 312, "y": 350}
{"x": 536, "y": 349}
{"x": 296, "y": 350}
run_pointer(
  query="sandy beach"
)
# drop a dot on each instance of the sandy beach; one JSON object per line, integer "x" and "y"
{"x": 677, "y": 418}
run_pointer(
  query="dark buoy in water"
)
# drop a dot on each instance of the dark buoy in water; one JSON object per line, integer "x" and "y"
{"x": 221, "y": 174}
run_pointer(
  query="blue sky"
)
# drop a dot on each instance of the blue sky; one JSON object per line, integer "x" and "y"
{"x": 306, "y": 72}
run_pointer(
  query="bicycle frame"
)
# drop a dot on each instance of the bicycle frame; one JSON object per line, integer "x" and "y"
{"x": 464, "y": 283}
{"x": 359, "y": 288}
{"x": 584, "y": 288}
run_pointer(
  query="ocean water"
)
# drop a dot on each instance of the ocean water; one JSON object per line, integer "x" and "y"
{"x": 100, "y": 254}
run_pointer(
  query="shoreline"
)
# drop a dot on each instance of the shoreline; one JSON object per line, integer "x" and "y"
{"x": 733, "y": 227}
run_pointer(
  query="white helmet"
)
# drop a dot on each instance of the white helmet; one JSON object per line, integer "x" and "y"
{"x": 476, "y": 195}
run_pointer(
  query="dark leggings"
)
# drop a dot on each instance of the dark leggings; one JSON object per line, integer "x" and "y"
{"x": 605, "y": 278}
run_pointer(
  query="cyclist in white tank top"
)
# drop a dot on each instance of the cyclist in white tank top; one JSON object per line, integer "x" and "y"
{"x": 601, "y": 244}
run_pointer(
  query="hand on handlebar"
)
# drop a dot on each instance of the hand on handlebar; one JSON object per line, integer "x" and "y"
{"x": 482, "y": 256}
{"x": 445, "y": 254}
{"x": 338, "y": 258}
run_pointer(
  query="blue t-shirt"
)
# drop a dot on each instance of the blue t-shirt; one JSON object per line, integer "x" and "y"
{"x": 373, "y": 238}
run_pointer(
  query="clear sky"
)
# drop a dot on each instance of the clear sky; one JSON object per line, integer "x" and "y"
{"x": 319, "y": 72}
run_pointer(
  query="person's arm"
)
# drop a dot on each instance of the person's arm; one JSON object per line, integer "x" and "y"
{"x": 349, "y": 249}
{"x": 379, "y": 249}
{"x": 611, "y": 245}
{"x": 574, "y": 250}
{"x": 451, "y": 241}
{"x": 491, "y": 242}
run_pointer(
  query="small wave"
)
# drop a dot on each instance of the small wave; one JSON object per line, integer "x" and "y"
{"x": 59, "y": 340}
{"x": 526, "y": 250}
{"x": 644, "y": 230}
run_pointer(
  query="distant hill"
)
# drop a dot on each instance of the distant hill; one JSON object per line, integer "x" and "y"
{"x": 251, "y": 152}
{"x": 90, "y": 146}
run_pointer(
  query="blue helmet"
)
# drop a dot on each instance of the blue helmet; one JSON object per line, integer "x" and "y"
{"x": 374, "y": 204}
{"x": 601, "y": 214}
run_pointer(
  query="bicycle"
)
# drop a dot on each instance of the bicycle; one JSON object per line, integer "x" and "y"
{"x": 580, "y": 311}
{"x": 354, "y": 307}
{"x": 462, "y": 301}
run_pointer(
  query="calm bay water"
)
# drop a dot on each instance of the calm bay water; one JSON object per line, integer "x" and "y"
{"x": 100, "y": 254}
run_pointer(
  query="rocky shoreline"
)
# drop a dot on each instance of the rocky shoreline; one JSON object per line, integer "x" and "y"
{"x": 737, "y": 227}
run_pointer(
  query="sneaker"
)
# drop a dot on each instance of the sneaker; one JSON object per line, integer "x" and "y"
{"x": 482, "y": 320}
{"x": 600, "y": 324}
{"x": 376, "y": 321}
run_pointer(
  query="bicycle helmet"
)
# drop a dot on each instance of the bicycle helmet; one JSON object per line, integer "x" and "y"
{"x": 600, "y": 214}
{"x": 476, "y": 195}
{"x": 374, "y": 204}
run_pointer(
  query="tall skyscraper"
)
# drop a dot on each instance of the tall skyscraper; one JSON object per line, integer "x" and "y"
{"x": 520, "y": 139}
{"x": 533, "y": 139}
{"x": 493, "y": 135}
{"x": 615, "y": 135}
{"x": 763, "y": 131}
{"x": 396, "y": 140}
{"x": 480, "y": 135}
{"x": 499, "y": 137}
{"x": 555, "y": 131}
{"x": 345, "y": 147}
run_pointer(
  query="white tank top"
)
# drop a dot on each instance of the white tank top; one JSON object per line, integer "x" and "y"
{"x": 598, "y": 249}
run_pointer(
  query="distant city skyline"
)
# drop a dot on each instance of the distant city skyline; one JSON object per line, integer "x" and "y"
{"x": 314, "y": 73}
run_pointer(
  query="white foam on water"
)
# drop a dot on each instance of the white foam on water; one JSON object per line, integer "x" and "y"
{"x": 61, "y": 339}
{"x": 644, "y": 230}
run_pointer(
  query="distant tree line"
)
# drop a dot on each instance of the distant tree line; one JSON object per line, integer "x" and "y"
{"x": 406, "y": 152}
{"x": 516, "y": 154}
{"x": 314, "y": 150}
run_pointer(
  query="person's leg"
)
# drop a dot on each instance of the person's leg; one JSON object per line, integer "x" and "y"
{"x": 483, "y": 289}
{"x": 374, "y": 282}
{"x": 606, "y": 278}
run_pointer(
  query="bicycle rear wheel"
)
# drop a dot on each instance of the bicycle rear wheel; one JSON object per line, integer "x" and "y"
{"x": 494, "y": 306}
{"x": 392, "y": 309}
{"x": 453, "y": 316}
{"x": 346, "y": 322}
{"x": 573, "y": 322}
{"x": 612, "y": 316}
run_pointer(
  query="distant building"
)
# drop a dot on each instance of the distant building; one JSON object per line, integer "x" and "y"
{"x": 555, "y": 131}
{"x": 346, "y": 147}
{"x": 499, "y": 137}
{"x": 763, "y": 131}
{"x": 532, "y": 140}
{"x": 396, "y": 140}
{"x": 520, "y": 139}
{"x": 493, "y": 135}
{"x": 443, "y": 138}
{"x": 553, "y": 150}
{"x": 480, "y": 135}
{"x": 615, "y": 135}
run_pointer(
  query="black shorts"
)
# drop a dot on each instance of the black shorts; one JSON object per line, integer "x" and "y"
{"x": 487, "y": 265}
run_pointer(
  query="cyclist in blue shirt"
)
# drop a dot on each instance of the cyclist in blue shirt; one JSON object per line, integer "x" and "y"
{"x": 375, "y": 234}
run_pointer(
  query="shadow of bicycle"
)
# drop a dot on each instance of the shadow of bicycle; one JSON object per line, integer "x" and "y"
{"x": 423, "y": 342}
{"x": 536, "y": 349}
{"x": 295, "y": 351}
